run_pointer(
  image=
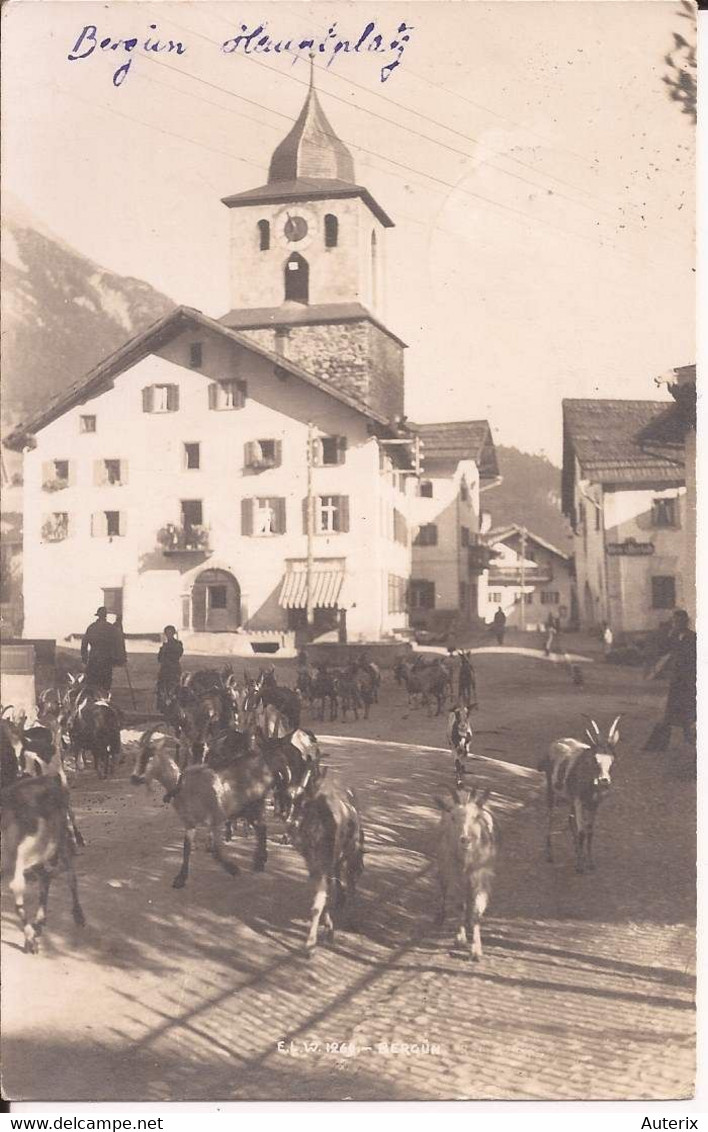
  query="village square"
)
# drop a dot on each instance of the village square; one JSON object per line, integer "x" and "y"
{"x": 354, "y": 775}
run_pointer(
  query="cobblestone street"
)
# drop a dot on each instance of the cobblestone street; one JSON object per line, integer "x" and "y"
{"x": 585, "y": 991}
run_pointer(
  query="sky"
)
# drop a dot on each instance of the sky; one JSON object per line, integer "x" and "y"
{"x": 540, "y": 178}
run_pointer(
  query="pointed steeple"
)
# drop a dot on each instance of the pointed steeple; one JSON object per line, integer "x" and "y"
{"x": 311, "y": 150}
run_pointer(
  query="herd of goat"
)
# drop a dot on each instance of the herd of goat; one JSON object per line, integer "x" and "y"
{"x": 226, "y": 747}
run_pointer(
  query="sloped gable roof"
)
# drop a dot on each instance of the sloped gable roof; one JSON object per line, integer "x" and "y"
{"x": 101, "y": 376}
{"x": 446, "y": 443}
{"x": 501, "y": 534}
{"x": 606, "y": 437}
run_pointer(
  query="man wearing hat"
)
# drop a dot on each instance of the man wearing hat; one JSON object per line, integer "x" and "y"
{"x": 98, "y": 652}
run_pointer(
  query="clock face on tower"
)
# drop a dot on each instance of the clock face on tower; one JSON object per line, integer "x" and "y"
{"x": 294, "y": 227}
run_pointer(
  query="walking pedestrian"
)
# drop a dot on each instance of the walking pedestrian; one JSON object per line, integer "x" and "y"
{"x": 551, "y": 634}
{"x": 681, "y": 701}
{"x": 499, "y": 625}
{"x": 168, "y": 659}
{"x": 98, "y": 652}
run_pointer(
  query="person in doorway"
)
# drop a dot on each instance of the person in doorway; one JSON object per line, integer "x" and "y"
{"x": 499, "y": 625}
{"x": 607, "y": 639}
{"x": 169, "y": 671}
{"x": 681, "y": 701}
{"x": 98, "y": 653}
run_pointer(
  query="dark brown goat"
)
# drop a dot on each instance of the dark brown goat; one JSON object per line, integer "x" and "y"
{"x": 36, "y": 838}
{"x": 210, "y": 796}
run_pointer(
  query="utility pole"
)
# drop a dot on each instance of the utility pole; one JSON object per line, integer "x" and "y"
{"x": 522, "y": 612}
{"x": 310, "y": 528}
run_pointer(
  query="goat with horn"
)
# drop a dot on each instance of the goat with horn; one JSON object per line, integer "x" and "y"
{"x": 579, "y": 774}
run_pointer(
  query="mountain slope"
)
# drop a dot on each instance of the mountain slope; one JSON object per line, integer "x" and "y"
{"x": 529, "y": 494}
{"x": 62, "y": 313}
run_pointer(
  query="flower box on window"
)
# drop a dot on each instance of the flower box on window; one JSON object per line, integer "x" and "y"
{"x": 55, "y": 528}
{"x": 174, "y": 539}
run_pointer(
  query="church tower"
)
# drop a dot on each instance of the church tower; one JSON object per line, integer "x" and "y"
{"x": 308, "y": 266}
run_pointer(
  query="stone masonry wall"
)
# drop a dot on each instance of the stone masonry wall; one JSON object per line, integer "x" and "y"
{"x": 356, "y": 357}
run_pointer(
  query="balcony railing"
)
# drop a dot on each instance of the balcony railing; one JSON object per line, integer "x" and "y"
{"x": 531, "y": 574}
{"x": 174, "y": 540}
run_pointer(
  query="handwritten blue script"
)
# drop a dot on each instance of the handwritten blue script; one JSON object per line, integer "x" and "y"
{"x": 257, "y": 40}
{"x": 253, "y": 40}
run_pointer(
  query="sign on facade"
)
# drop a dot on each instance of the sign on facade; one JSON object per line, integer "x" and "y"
{"x": 630, "y": 547}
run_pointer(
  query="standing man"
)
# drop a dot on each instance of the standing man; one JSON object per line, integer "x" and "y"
{"x": 499, "y": 624}
{"x": 98, "y": 652}
{"x": 169, "y": 671}
{"x": 681, "y": 700}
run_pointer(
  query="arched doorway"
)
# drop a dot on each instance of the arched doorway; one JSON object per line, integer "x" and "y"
{"x": 216, "y": 602}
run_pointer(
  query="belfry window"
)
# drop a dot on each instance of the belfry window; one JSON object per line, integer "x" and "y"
{"x": 297, "y": 279}
{"x": 264, "y": 235}
{"x": 331, "y": 231}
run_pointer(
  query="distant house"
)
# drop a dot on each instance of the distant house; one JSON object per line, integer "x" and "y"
{"x": 528, "y": 577}
{"x": 674, "y": 432}
{"x": 626, "y": 501}
{"x": 448, "y": 554}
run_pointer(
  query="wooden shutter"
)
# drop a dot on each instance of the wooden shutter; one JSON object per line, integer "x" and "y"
{"x": 172, "y": 398}
{"x": 147, "y": 399}
{"x": 343, "y": 503}
{"x": 278, "y": 516}
{"x": 341, "y": 449}
{"x": 278, "y": 452}
{"x": 123, "y": 471}
{"x": 122, "y": 522}
{"x": 72, "y": 473}
{"x": 47, "y": 471}
{"x": 246, "y": 516}
{"x": 248, "y": 454}
{"x": 98, "y": 473}
{"x": 316, "y": 452}
{"x": 99, "y": 525}
{"x": 243, "y": 392}
{"x": 213, "y": 395}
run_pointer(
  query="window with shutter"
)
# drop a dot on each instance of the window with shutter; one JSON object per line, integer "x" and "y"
{"x": 195, "y": 355}
{"x": 112, "y": 523}
{"x": 246, "y": 516}
{"x": 331, "y": 450}
{"x": 87, "y": 422}
{"x": 192, "y": 456}
{"x": 111, "y": 472}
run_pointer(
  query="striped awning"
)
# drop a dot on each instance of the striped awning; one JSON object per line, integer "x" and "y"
{"x": 327, "y": 584}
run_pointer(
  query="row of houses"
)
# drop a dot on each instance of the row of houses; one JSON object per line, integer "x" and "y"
{"x": 213, "y": 473}
{"x": 222, "y": 474}
{"x": 629, "y": 492}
